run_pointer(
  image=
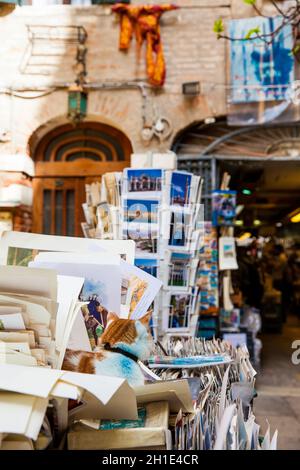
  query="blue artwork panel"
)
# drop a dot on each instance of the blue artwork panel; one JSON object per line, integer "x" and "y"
{"x": 260, "y": 71}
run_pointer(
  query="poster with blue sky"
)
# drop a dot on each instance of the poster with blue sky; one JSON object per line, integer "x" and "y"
{"x": 260, "y": 71}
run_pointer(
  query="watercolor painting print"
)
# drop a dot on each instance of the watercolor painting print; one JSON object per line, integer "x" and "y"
{"x": 260, "y": 71}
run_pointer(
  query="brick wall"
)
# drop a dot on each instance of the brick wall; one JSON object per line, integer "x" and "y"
{"x": 191, "y": 49}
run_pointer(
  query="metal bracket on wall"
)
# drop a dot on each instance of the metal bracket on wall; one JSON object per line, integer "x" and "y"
{"x": 48, "y": 44}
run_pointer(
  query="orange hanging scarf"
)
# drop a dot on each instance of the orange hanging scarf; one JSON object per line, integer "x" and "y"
{"x": 144, "y": 22}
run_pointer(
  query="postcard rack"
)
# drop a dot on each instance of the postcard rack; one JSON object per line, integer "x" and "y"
{"x": 161, "y": 211}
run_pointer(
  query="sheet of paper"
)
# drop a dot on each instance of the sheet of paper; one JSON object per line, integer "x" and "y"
{"x": 20, "y": 347}
{"x": 20, "y": 247}
{"x": 102, "y": 258}
{"x": 105, "y": 397}
{"x": 79, "y": 339}
{"x": 15, "y": 442}
{"x": 36, "y": 418}
{"x": 15, "y": 405}
{"x": 37, "y": 313}
{"x": 22, "y": 280}
{"x": 37, "y": 381}
{"x": 75, "y": 312}
{"x": 13, "y": 321}
{"x": 69, "y": 288}
{"x": 176, "y": 392}
{"x": 50, "y": 305}
{"x": 6, "y": 309}
{"x": 224, "y": 426}
{"x": 15, "y": 357}
{"x": 65, "y": 390}
{"x": 22, "y": 336}
{"x": 109, "y": 397}
{"x": 102, "y": 282}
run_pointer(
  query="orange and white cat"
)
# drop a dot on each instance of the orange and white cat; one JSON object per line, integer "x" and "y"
{"x": 122, "y": 344}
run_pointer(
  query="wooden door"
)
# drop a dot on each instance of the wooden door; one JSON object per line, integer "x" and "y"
{"x": 66, "y": 159}
{"x": 58, "y": 205}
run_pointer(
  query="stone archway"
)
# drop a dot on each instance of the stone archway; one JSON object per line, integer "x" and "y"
{"x": 66, "y": 158}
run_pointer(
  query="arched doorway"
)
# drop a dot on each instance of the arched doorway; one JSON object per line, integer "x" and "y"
{"x": 264, "y": 158}
{"x": 66, "y": 159}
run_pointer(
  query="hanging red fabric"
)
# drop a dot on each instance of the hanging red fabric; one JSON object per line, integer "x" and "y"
{"x": 143, "y": 21}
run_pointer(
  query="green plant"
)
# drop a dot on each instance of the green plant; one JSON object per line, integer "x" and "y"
{"x": 290, "y": 15}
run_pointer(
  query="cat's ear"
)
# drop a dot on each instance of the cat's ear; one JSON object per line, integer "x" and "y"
{"x": 112, "y": 316}
{"x": 146, "y": 318}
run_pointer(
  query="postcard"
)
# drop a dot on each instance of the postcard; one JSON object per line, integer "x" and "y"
{"x": 86, "y": 229}
{"x": 136, "y": 231}
{"x": 235, "y": 339}
{"x": 142, "y": 289}
{"x": 227, "y": 253}
{"x": 180, "y": 189}
{"x": 179, "y": 270}
{"x": 18, "y": 248}
{"x": 149, "y": 265}
{"x": 177, "y": 312}
{"x": 111, "y": 188}
{"x": 88, "y": 214}
{"x": 142, "y": 182}
{"x": 104, "y": 221}
{"x": 144, "y": 246}
{"x": 179, "y": 229}
{"x": 141, "y": 211}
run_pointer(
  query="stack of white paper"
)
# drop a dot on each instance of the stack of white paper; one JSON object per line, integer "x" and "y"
{"x": 28, "y": 310}
{"x": 25, "y": 394}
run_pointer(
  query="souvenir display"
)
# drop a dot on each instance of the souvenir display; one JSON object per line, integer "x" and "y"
{"x": 98, "y": 335}
{"x": 207, "y": 281}
{"x": 160, "y": 210}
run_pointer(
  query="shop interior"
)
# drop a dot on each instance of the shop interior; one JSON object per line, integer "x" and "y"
{"x": 267, "y": 230}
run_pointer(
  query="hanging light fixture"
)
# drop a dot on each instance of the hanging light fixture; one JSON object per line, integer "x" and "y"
{"x": 77, "y": 103}
{"x": 295, "y": 219}
{"x": 8, "y": 6}
{"x": 77, "y": 96}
